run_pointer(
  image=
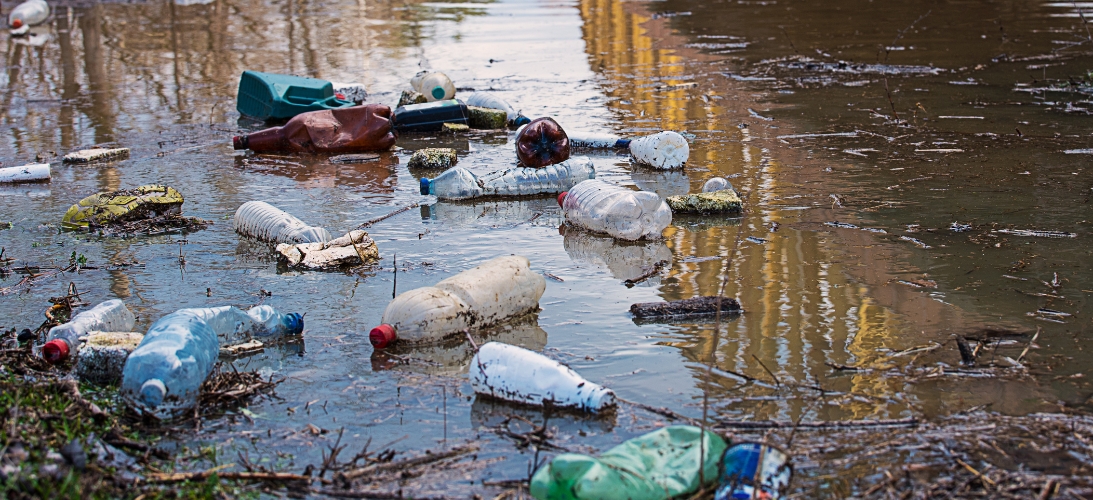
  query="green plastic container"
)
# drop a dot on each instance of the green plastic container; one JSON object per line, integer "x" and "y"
{"x": 269, "y": 96}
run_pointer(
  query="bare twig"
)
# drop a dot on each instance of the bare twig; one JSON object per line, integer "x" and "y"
{"x": 392, "y": 214}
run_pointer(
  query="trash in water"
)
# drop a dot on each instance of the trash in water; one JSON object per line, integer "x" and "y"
{"x": 343, "y": 130}
{"x": 686, "y": 308}
{"x": 409, "y": 97}
{"x": 484, "y": 295}
{"x": 27, "y": 14}
{"x": 146, "y": 204}
{"x": 957, "y": 227}
{"x": 454, "y": 128}
{"x": 270, "y": 96}
{"x": 756, "y": 240}
{"x": 1036, "y": 233}
{"x": 754, "y": 470}
{"x": 715, "y": 184}
{"x": 461, "y": 184}
{"x": 717, "y": 196}
{"x": 625, "y": 260}
{"x": 516, "y": 374}
{"x": 352, "y": 92}
{"x": 659, "y": 465}
{"x": 354, "y": 158}
{"x": 102, "y": 356}
{"x": 542, "y": 142}
{"x": 64, "y": 340}
{"x": 597, "y": 141}
{"x": 164, "y": 373}
{"x": 486, "y": 118}
{"x": 265, "y": 222}
{"x": 667, "y": 150}
{"x": 841, "y": 225}
{"x": 622, "y": 213}
{"x": 34, "y": 172}
{"x": 430, "y": 117}
{"x": 353, "y": 249}
{"x": 432, "y": 158}
{"x": 96, "y": 154}
{"x": 435, "y": 86}
{"x": 487, "y": 100}
{"x": 916, "y": 241}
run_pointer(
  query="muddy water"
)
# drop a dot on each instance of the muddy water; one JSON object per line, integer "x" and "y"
{"x": 160, "y": 78}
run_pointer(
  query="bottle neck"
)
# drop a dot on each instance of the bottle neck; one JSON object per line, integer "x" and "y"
{"x": 270, "y": 139}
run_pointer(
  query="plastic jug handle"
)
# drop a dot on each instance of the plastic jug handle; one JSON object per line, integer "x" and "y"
{"x": 335, "y": 103}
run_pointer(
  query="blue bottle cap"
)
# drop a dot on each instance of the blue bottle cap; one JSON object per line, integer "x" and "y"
{"x": 521, "y": 120}
{"x": 294, "y": 322}
{"x": 424, "y": 186}
{"x": 622, "y": 143}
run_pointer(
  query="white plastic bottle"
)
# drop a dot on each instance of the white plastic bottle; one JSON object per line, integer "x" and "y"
{"x": 35, "y": 172}
{"x": 492, "y": 101}
{"x": 667, "y": 150}
{"x": 516, "y": 374}
{"x": 266, "y": 222}
{"x": 596, "y": 141}
{"x": 460, "y": 184}
{"x": 716, "y": 184}
{"x": 485, "y": 295}
{"x": 27, "y": 14}
{"x": 622, "y": 213}
{"x": 435, "y": 86}
{"x": 64, "y": 340}
{"x": 165, "y": 372}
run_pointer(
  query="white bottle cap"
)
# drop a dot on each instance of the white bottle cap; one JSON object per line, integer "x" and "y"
{"x": 152, "y": 392}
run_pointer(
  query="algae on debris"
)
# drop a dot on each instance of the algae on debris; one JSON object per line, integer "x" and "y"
{"x": 724, "y": 201}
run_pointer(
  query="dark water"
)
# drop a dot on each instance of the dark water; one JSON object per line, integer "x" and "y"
{"x": 160, "y": 78}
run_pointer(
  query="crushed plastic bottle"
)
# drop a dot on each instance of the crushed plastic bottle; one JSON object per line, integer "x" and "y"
{"x": 716, "y": 184}
{"x": 344, "y": 130}
{"x": 622, "y": 213}
{"x": 747, "y": 467}
{"x": 668, "y": 150}
{"x": 492, "y": 292}
{"x": 64, "y": 340}
{"x": 164, "y": 373}
{"x": 27, "y": 14}
{"x": 460, "y": 184}
{"x": 35, "y": 172}
{"x": 541, "y": 142}
{"x": 516, "y": 374}
{"x": 492, "y": 101}
{"x": 266, "y": 222}
{"x": 435, "y": 86}
{"x": 659, "y": 465}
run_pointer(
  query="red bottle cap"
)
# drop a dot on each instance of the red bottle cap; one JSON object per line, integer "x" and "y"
{"x": 55, "y": 351}
{"x": 561, "y": 197}
{"x": 17, "y": 23}
{"x": 382, "y": 336}
{"x": 340, "y": 95}
{"x": 240, "y": 142}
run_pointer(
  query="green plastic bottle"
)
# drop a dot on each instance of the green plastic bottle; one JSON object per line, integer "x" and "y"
{"x": 657, "y": 466}
{"x": 269, "y": 96}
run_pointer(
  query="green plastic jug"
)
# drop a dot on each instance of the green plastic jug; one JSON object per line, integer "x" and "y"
{"x": 269, "y": 96}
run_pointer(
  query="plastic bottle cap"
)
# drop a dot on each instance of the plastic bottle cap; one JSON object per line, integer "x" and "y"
{"x": 152, "y": 392}
{"x": 295, "y": 323}
{"x": 240, "y": 142}
{"x": 55, "y": 351}
{"x": 340, "y": 95}
{"x": 521, "y": 120}
{"x": 438, "y": 92}
{"x": 561, "y": 197}
{"x": 382, "y": 336}
{"x": 17, "y": 23}
{"x": 424, "y": 186}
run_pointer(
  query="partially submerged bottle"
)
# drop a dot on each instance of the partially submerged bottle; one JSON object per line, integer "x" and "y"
{"x": 492, "y": 101}
{"x": 164, "y": 373}
{"x": 63, "y": 341}
{"x": 666, "y": 150}
{"x": 622, "y": 213}
{"x": 34, "y": 172}
{"x": 492, "y": 292}
{"x": 27, "y": 14}
{"x": 435, "y": 86}
{"x": 754, "y": 470}
{"x": 516, "y": 374}
{"x": 542, "y": 142}
{"x": 266, "y": 222}
{"x": 460, "y": 184}
{"x": 430, "y": 117}
{"x": 716, "y": 184}
{"x": 344, "y": 130}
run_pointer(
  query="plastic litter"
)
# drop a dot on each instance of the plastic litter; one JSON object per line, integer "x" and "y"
{"x": 164, "y": 373}
{"x": 63, "y": 341}
{"x": 266, "y": 222}
{"x": 659, "y": 465}
{"x": 352, "y": 249}
{"x": 352, "y": 92}
{"x": 723, "y": 201}
{"x": 452, "y": 357}
{"x": 435, "y": 86}
{"x": 666, "y": 150}
{"x": 622, "y": 213}
{"x": 344, "y": 130}
{"x": 301, "y": 245}
{"x": 487, "y": 100}
{"x": 597, "y": 141}
{"x": 27, "y": 14}
{"x": 516, "y": 374}
{"x": 432, "y": 158}
{"x": 542, "y": 142}
{"x": 35, "y": 172}
{"x": 486, "y": 118}
{"x": 144, "y": 202}
{"x": 103, "y": 354}
{"x": 492, "y": 292}
{"x": 624, "y": 259}
{"x": 430, "y": 117}
{"x": 716, "y": 184}
{"x": 270, "y": 96}
{"x": 686, "y": 308}
{"x": 96, "y": 154}
{"x": 409, "y": 97}
{"x": 454, "y": 128}
{"x": 461, "y": 184}
{"x": 753, "y": 470}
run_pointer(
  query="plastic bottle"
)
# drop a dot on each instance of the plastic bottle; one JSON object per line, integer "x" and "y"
{"x": 541, "y": 142}
{"x": 266, "y": 222}
{"x": 622, "y": 213}
{"x": 435, "y": 86}
{"x": 344, "y": 130}
{"x": 597, "y": 141}
{"x": 430, "y": 117}
{"x": 64, "y": 340}
{"x": 487, "y": 100}
{"x": 34, "y": 172}
{"x": 662, "y": 150}
{"x": 487, "y": 294}
{"x": 716, "y": 184}
{"x": 460, "y": 184}
{"x": 27, "y": 14}
{"x": 165, "y": 372}
{"x": 747, "y": 467}
{"x": 516, "y": 374}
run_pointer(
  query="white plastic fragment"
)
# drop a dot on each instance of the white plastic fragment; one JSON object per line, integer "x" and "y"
{"x": 666, "y": 150}
{"x": 516, "y": 374}
{"x": 34, "y": 172}
{"x": 96, "y": 154}
{"x": 354, "y": 248}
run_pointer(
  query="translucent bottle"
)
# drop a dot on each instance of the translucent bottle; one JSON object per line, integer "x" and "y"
{"x": 661, "y": 150}
{"x": 487, "y": 100}
{"x": 266, "y": 222}
{"x": 354, "y": 92}
{"x": 622, "y": 213}
{"x": 716, "y": 184}
{"x": 597, "y": 141}
{"x": 64, "y": 340}
{"x": 27, "y": 14}
{"x": 165, "y": 372}
{"x": 516, "y": 374}
{"x": 435, "y": 86}
{"x": 460, "y": 184}
{"x": 485, "y": 295}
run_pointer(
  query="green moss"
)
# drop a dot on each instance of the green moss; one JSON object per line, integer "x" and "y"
{"x": 433, "y": 158}
{"x": 486, "y": 118}
{"x": 724, "y": 201}
{"x": 410, "y": 97}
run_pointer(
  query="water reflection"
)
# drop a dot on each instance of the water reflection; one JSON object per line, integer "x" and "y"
{"x": 664, "y": 183}
{"x": 453, "y": 356}
{"x": 625, "y": 260}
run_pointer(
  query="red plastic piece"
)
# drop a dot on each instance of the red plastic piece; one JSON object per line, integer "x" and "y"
{"x": 382, "y": 336}
{"x": 561, "y": 197}
{"x": 17, "y": 23}
{"x": 55, "y": 351}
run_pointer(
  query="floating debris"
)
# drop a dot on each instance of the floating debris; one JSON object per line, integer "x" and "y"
{"x": 696, "y": 306}
{"x": 759, "y": 116}
{"x": 956, "y": 117}
{"x": 723, "y": 201}
{"x": 756, "y": 240}
{"x": 957, "y": 227}
{"x": 939, "y": 150}
{"x": 486, "y": 118}
{"x": 126, "y": 205}
{"x": 816, "y": 136}
{"x": 96, "y": 154}
{"x": 1036, "y": 233}
{"x": 841, "y": 225}
{"x": 845, "y": 67}
{"x": 916, "y": 241}
{"x": 355, "y": 158}
{"x": 1079, "y": 151}
{"x": 433, "y": 158}
{"x": 455, "y": 128}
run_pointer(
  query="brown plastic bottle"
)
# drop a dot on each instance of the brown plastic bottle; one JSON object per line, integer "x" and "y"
{"x": 345, "y": 130}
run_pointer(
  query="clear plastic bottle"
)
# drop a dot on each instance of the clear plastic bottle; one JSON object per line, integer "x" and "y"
{"x": 354, "y": 92}
{"x": 596, "y": 141}
{"x": 165, "y": 372}
{"x": 266, "y": 222}
{"x": 487, "y": 100}
{"x": 622, "y": 213}
{"x": 460, "y": 184}
{"x": 667, "y": 150}
{"x": 516, "y": 374}
{"x": 64, "y": 340}
{"x": 27, "y": 14}
{"x": 484, "y": 295}
{"x": 435, "y": 86}
{"x": 716, "y": 184}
